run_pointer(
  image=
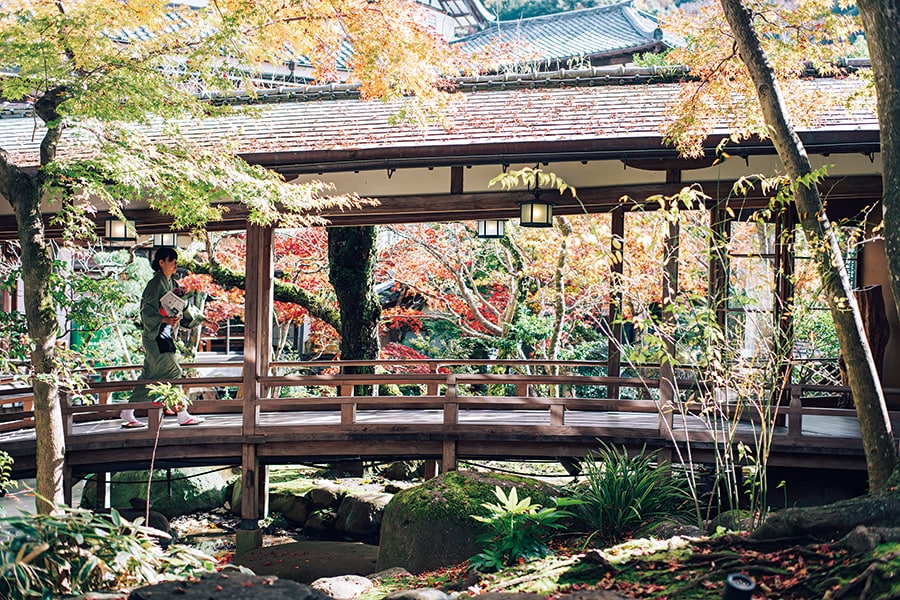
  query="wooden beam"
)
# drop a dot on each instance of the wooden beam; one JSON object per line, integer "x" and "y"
{"x": 845, "y": 195}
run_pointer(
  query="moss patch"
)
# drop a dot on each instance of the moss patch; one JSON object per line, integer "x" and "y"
{"x": 458, "y": 495}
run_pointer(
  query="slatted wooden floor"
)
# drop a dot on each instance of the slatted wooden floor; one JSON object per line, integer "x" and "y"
{"x": 309, "y": 436}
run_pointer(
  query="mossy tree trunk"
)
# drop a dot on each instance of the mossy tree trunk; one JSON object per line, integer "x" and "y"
{"x": 351, "y": 262}
{"x": 880, "y": 25}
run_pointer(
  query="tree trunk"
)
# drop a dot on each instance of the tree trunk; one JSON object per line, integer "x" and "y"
{"x": 24, "y": 193}
{"x": 832, "y": 521}
{"x": 878, "y": 444}
{"x": 40, "y": 313}
{"x": 880, "y": 20}
{"x": 351, "y": 262}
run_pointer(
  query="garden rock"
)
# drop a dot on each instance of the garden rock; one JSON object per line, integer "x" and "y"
{"x": 228, "y": 586}
{"x": 344, "y": 587}
{"x": 310, "y": 560}
{"x": 320, "y": 523}
{"x": 419, "y": 594}
{"x": 291, "y": 507}
{"x": 429, "y": 526}
{"x": 402, "y": 470}
{"x": 669, "y": 529}
{"x": 192, "y": 490}
{"x": 326, "y": 495}
{"x": 359, "y": 516}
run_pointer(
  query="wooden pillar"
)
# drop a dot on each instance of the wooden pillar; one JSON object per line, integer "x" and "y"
{"x": 718, "y": 264}
{"x": 448, "y": 459}
{"x": 614, "y": 350}
{"x": 667, "y": 387}
{"x": 102, "y": 497}
{"x": 456, "y": 180}
{"x": 784, "y": 302}
{"x": 257, "y": 351}
{"x": 257, "y": 321}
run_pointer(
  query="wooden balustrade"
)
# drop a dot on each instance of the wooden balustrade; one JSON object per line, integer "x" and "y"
{"x": 454, "y": 400}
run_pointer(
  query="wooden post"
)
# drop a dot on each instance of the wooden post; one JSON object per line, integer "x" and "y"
{"x": 249, "y": 535}
{"x": 262, "y": 482}
{"x": 348, "y": 413}
{"x": 557, "y": 414}
{"x": 451, "y": 404}
{"x": 795, "y": 415}
{"x": 258, "y": 321}
{"x": 257, "y": 350}
{"x": 67, "y": 484}
{"x": 668, "y": 393}
{"x": 448, "y": 460}
{"x": 101, "y": 490}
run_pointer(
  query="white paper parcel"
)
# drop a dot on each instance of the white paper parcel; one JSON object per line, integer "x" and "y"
{"x": 172, "y": 304}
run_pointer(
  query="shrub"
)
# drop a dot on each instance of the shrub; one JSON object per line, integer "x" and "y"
{"x": 6, "y": 463}
{"x": 518, "y": 530}
{"x": 74, "y": 551}
{"x": 620, "y": 494}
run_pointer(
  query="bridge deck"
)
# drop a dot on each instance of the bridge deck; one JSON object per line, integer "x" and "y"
{"x": 441, "y": 425}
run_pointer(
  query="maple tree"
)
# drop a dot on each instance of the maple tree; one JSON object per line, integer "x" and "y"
{"x": 94, "y": 84}
{"x": 741, "y": 84}
{"x": 515, "y": 299}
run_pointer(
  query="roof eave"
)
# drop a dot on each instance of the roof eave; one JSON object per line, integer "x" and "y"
{"x": 627, "y": 148}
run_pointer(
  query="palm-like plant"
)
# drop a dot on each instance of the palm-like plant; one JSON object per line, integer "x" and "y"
{"x": 518, "y": 530}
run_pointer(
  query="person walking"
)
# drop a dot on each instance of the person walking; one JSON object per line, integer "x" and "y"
{"x": 158, "y": 335}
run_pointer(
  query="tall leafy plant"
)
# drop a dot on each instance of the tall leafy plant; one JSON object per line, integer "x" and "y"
{"x": 517, "y": 529}
{"x": 75, "y": 551}
{"x": 6, "y": 463}
{"x": 620, "y": 493}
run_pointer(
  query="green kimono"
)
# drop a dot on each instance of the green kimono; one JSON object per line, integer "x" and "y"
{"x": 159, "y": 364}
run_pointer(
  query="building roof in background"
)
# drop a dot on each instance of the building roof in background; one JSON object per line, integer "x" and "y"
{"x": 604, "y": 35}
{"x": 471, "y": 15}
{"x": 609, "y": 112}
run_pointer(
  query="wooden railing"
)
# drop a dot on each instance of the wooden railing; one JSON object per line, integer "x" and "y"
{"x": 302, "y": 400}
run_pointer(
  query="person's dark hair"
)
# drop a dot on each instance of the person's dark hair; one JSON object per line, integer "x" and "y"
{"x": 163, "y": 253}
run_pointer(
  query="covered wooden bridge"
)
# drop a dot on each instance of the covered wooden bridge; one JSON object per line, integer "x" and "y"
{"x": 598, "y": 129}
{"x": 544, "y": 417}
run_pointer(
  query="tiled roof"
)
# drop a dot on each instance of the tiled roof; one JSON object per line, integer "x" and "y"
{"x": 591, "y": 32}
{"x": 589, "y": 114}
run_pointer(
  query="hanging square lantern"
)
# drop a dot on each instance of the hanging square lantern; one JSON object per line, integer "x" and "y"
{"x": 491, "y": 228}
{"x": 117, "y": 230}
{"x": 165, "y": 239}
{"x": 536, "y": 212}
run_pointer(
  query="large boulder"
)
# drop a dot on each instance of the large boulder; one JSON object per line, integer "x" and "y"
{"x": 293, "y": 508}
{"x": 174, "y": 492}
{"x": 359, "y": 515}
{"x": 308, "y": 561}
{"x": 431, "y": 526}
